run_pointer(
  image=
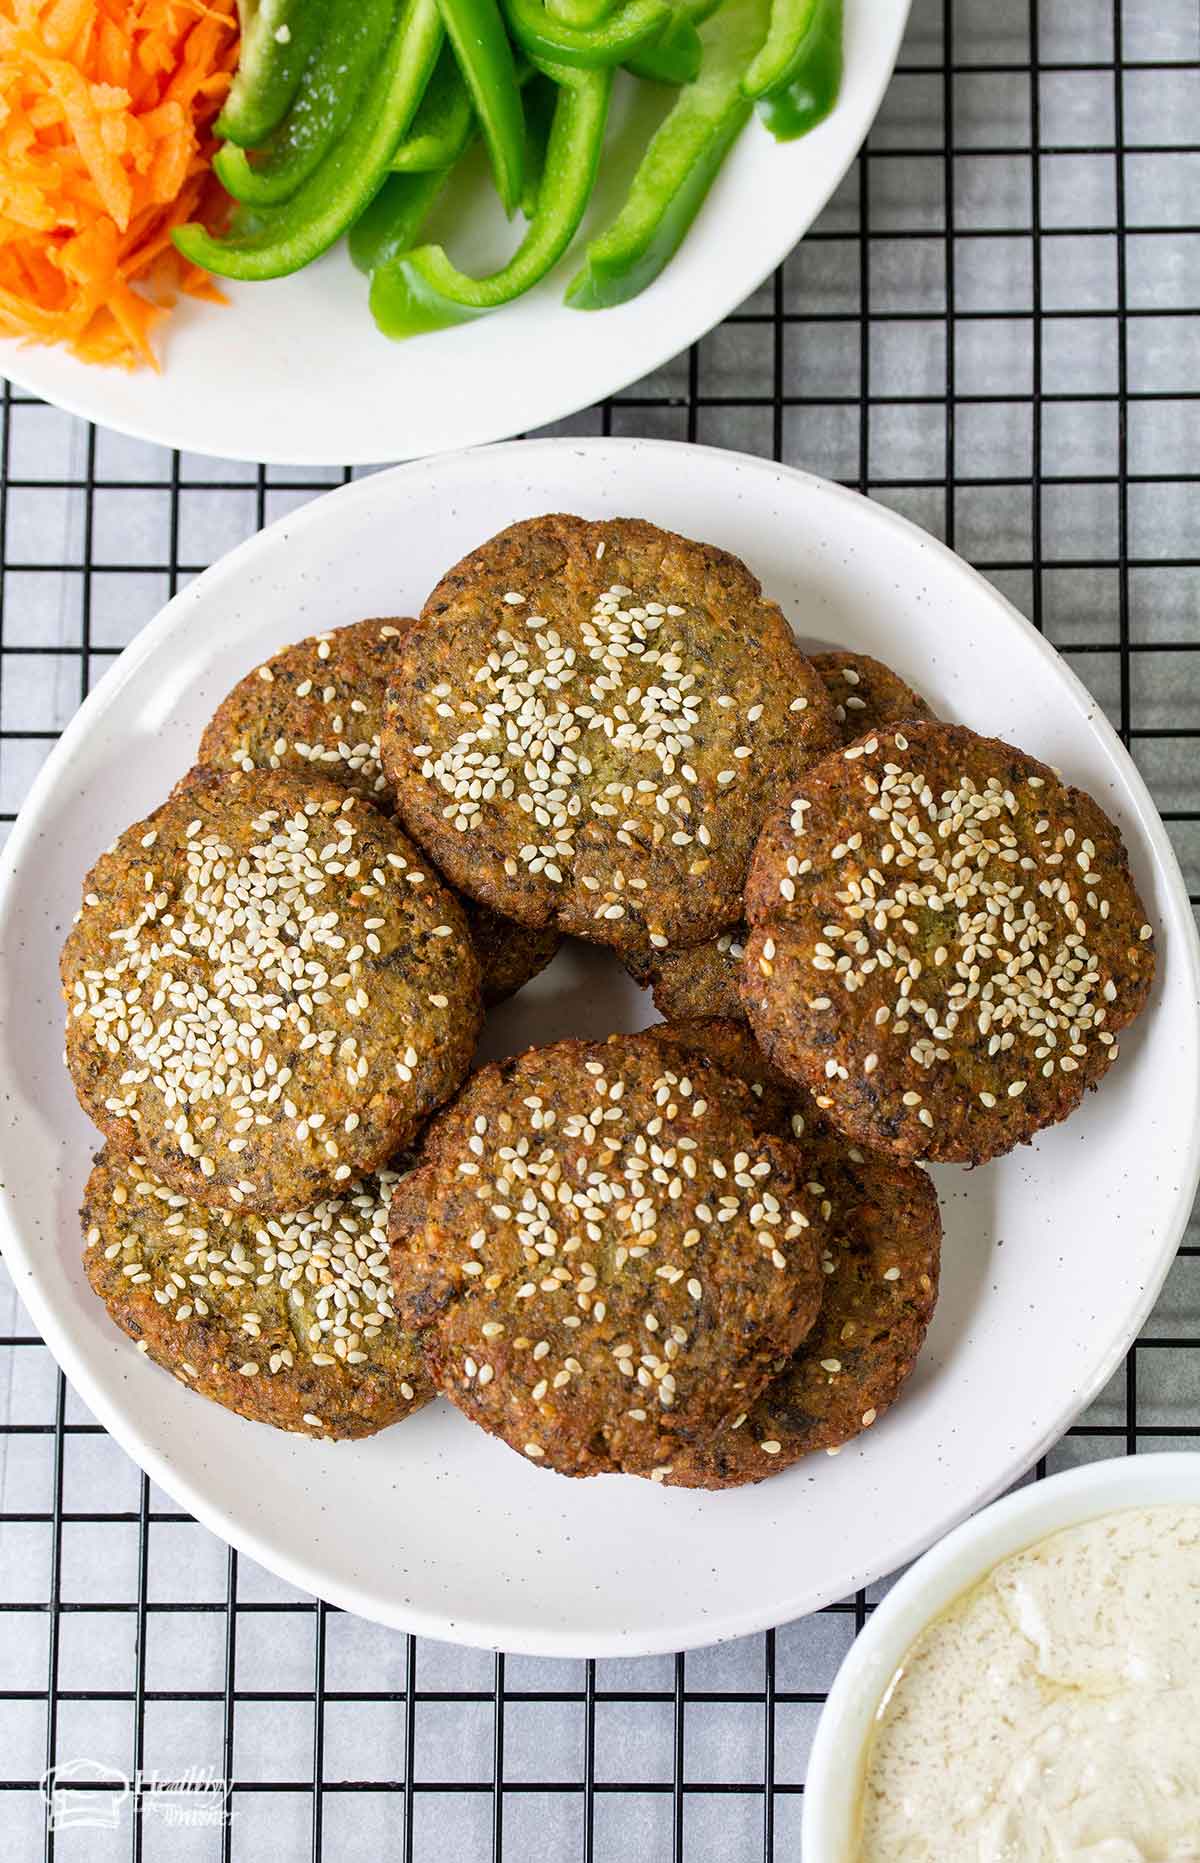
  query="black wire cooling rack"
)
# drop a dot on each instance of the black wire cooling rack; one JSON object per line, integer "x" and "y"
{"x": 995, "y": 328}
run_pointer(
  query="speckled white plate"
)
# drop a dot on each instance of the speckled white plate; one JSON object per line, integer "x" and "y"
{"x": 1053, "y": 1256}
{"x": 296, "y": 372}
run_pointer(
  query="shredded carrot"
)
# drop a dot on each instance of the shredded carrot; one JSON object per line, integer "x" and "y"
{"x": 106, "y": 109}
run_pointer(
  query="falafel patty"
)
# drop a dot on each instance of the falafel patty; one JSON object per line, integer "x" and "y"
{"x": 945, "y": 942}
{"x": 318, "y": 706}
{"x": 699, "y": 981}
{"x": 590, "y": 723}
{"x": 267, "y": 993}
{"x": 880, "y": 1262}
{"x": 605, "y": 1254}
{"x": 286, "y": 1319}
{"x": 866, "y": 694}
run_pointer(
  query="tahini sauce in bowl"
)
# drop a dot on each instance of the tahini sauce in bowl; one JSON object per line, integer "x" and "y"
{"x": 1052, "y": 1713}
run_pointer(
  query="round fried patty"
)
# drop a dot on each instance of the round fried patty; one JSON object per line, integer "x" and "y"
{"x": 590, "y": 723}
{"x": 318, "y": 706}
{"x": 267, "y": 992}
{"x": 510, "y": 955}
{"x": 880, "y": 1259}
{"x": 606, "y": 1254}
{"x": 699, "y": 981}
{"x": 945, "y": 942}
{"x": 867, "y": 694}
{"x": 286, "y": 1319}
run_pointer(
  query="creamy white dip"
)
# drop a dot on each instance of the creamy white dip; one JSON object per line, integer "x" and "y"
{"x": 1052, "y": 1714}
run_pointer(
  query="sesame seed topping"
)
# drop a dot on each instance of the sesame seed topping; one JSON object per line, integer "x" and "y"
{"x": 246, "y": 955}
{"x": 611, "y": 1232}
{"x": 319, "y": 1277}
{"x": 626, "y": 688}
{"x": 964, "y": 903}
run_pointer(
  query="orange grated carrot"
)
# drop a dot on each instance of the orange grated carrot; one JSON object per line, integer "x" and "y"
{"x": 106, "y": 109}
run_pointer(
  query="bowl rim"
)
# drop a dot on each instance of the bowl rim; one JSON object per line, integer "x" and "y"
{"x": 951, "y": 1567}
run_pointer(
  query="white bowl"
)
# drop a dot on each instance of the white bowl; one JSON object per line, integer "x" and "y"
{"x": 946, "y": 1571}
{"x": 296, "y": 372}
{"x": 1053, "y": 1256}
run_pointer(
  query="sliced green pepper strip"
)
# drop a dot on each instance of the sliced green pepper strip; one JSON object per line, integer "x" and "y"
{"x": 583, "y": 13}
{"x": 679, "y": 165}
{"x": 673, "y": 58}
{"x": 277, "y": 37}
{"x": 444, "y": 123}
{"x": 321, "y": 109}
{"x": 283, "y": 239}
{"x": 634, "y": 24}
{"x": 424, "y": 291}
{"x": 481, "y": 45}
{"x": 540, "y": 101}
{"x": 807, "y": 95}
{"x": 391, "y": 223}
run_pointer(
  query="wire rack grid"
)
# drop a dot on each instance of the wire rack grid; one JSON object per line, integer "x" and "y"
{"x": 994, "y": 328}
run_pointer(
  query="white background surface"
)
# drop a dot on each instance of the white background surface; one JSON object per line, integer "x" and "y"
{"x": 745, "y": 1711}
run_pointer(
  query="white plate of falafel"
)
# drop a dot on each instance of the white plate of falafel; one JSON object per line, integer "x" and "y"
{"x": 589, "y": 1145}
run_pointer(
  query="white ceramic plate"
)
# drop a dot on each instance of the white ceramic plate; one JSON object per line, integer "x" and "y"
{"x": 297, "y": 373}
{"x": 831, "y": 1790}
{"x": 1052, "y": 1257}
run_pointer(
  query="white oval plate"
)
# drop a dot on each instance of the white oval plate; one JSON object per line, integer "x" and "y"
{"x": 296, "y": 372}
{"x": 1052, "y": 1257}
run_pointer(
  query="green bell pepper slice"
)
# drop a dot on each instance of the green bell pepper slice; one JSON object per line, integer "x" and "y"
{"x": 485, "y": 58}
{"x": 615, "y": 40}
{"x": 444, "y": 124}
{"x": 329, "y": 88}
{"x": 391, "y": 224}
{"x": 424, "y": 291}
{"x": 283, "y": 239}
{"x": 582, "y": 13}
{"x": 541, "y": 100}
{"x": 674, "y": 57}
{"x": 277, "y": 37}
{"x": 796, "y": 78}
{"x": 679, "y": 166}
